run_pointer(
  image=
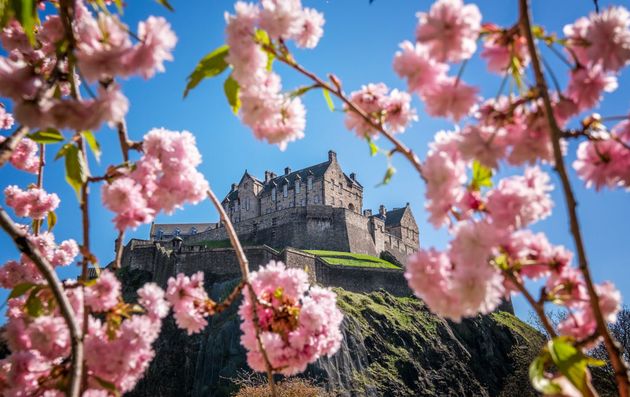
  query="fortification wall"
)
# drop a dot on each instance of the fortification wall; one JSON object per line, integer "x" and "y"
{"x": 362, "y": 279}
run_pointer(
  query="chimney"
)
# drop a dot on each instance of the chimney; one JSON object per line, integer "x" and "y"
{"x": 407, "y": 205}
{"x": 332, "y": 156}
{"x": 272, "y": 175}
{"x": 367, "y": 212}
{"x": 287, "y": 170}
{"x": 233, "y": 187}
{"x": 353, "y": 176}
{"x": 267, "y": 176}
{"x": 381, "y": 210}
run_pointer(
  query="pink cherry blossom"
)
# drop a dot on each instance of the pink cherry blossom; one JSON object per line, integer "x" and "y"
{"x": 414, "y": 64}
{"x": 18, "y": 80}
{"x": 49, "y": 335}
{"x": 485, "y": 144}
{"x": 473, "y": 244}
{"x": 157, "y": 42}
{"x": 603, "y": 163}
{"x": 25, "y": 156}
{"x": 567, "y": 287}
{"x": 587, "y": 84}
{"x": 151, "y": 297}
{"x": 398, "y": 111}
{"x": 311, "y": 28}
{"x": 104, "y": 294}
{"x": 450, "y": 30}
{"x": 533, "y": 255}
{"x": 428, "y": 273}
{"x": 6, "y": 119}
{"x": 281, "y": 18}
{"x": 498, "y": 52}
{"x": 245, "y": 56}
{"x": 33, "y": 203}
{"x": 609, "y": 300}
{"x": 450, "y": 98}
{"x": 296, "y": 328}
{"x": 608, "y": 35}
{"x": 189, "y": 300}
{"x": 576, "y": 40}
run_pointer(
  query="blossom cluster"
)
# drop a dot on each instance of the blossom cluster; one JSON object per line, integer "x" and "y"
{"x": 190, "y": 302}
{"x": 33, "y": 203}
{"x": 297, "y": 324}
{"x": 117, "y": 350}
{"x": 25, "y": 156}
{"x": 103, "y": 51}
{"x": 274, "y": 116}
{"x": 162, "y": 180}
{"x": 13, "y": 272}
{"x": 390, "y": 109}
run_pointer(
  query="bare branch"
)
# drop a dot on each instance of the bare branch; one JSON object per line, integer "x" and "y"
{"x": 621, "y": 371}
{"x": 30, "y": 250}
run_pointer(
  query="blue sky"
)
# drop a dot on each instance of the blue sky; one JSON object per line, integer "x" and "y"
{"x": 358, "y": 46}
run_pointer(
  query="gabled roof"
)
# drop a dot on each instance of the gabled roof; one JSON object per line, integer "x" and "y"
{"x": 184, "y": 228}
{"x": 317, "y": 171}
{"x": 394, "y": 216}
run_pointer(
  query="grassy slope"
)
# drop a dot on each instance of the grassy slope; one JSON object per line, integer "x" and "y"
{"x": 350, "y": 259}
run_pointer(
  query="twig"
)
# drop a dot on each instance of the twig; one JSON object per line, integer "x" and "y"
{"x": 124, "y": 140}
{"x": 231, "y": 298}
{"x": 8, "y": 145}
{"x": 537, "y": 306}
{"x": 244, "y": 264}
{"x": 337, "y": 91}
{"x": 25, "y": 246}
{"x": 621, "y": 371}
{"x": 40, "y": 183}
{"x": 119, "y": 249}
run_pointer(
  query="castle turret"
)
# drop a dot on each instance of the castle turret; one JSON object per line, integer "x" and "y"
{"x": 287, "y": 170}
{"x": 382, "y": 210}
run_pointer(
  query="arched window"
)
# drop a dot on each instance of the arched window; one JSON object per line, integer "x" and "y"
{"x": 351, "y": 207}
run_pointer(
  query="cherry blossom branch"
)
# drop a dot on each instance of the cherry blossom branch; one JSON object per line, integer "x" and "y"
{"x": 336, "y": 90}
{"x": 25, "y": 246}
{"x": 37, "y": 224}
{"x": 119, "y": 248}
{"x": 8, "y": 145}
{"x": 536, "y": 305}
{"x": 621, "y": 371}
{"x": 124, "y": 140}
{"x": 244, "y": 264}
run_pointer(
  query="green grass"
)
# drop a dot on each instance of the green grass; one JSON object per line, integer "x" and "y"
{"x": 350, "y": 259}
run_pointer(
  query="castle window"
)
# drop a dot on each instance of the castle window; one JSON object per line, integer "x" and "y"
{"x": 340, "y": 203}
{"x": 332, "y": 201}
{"x": 177, "y": 232}
{"x": 285, "y": 190}
{"x": 273, "y": 194}
{"x": 317, "y": 199}
{"x": 160, "y": 234}
{"x": 332, "y": 186}
{"x": 274, "y": 222}
{"x": 297, "y": 186}
{"x": 193, "y": 230}
{"x": 309, "y": 183}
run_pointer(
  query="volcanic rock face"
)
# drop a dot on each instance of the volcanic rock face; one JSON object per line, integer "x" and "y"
{"x": 392, "y": 346}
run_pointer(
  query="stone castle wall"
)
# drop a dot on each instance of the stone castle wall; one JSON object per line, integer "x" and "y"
{"x": 164, "y": 260}
{"x": 315, "y": 227}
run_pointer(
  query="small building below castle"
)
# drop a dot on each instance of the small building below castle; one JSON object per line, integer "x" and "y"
{"x": 317, "y": 207}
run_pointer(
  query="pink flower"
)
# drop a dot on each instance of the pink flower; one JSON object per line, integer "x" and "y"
{"x": 371, "y": 99}
{"x": 311, "y": 28}
{"x": 33, "y": 203}
{"x": 245, "y": 56}
{"x": 157, "y": 42}
{"x": 281, "y": 18}
{"x": 450, "y": 30}
{"x": 428, "y": 273}
{"x": 534, "y": 256}
{"x": 398, "y": 111}
{"x": 450, "y": 98}
{"x": 473, "y": 244}
{"x": 414, "y": 64}
{"x": 485, "y": 144}
{"x": 587, "y": 84}
{"x": 190, "y": 302}
{"x": 151, "y": 297}
{"x": 520, "y": 200}
{"x": 608, "y": 35}
{"x": 580, "y": 324}
{"x": 603, "y": 163}
{"x": 498, "y": 52}
{"x": 576, "y": 40}
{"x": 50, "y": 336}
{"x": 567, "y": 288}
{"x": 296, "y": 328}
{"x": 6, "y": 119}
{"x": 104, "y": 294}
{"x": 25, "y": 156}
{"x": 18, "y": 80}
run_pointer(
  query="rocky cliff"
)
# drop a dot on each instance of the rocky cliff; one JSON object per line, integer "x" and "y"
{"x": 392, "y": 347}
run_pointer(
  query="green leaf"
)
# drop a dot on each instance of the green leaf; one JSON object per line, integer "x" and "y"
{"x": 537, "y": 375}
{"x": 20, "y": 289}
{"x": 62, "y": 152}
{"x": 34, "y": 305}
{"x": 105, "y": 384}
{"x": 52, "y": 220}
{"x": 231, "y": 90}
{"x": 388, "y": 175}
{"x": 92, "y": 144}
{"x": 211, "y": 65}
{"x": 76, "y": 169}
{"x": 166, "y": 4}
{"x": 482, "y": 176}
{"x": 571, "y": 362}
{"x": 373, "y": 147}
{"x": 25, "y": 11}
{"x": 49, "y": 135}
{"x": 262, "y": 38}
{"x": 328, "y": 99}
{"x": 301, "y": 90}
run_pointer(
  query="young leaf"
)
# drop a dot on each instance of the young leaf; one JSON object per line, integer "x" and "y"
{"x": 25, "y": 11}
{"x": 373, "y": 147}
{"x": 93, "y": 144}
{"x": 231, "y": 89}
{"x": 211, "y": 65}
{"x": 62, "y": 152}
{"x": 388, "y": 175}
{"x": 49, "y": 135}
{"x": 166, "y": 4}
{"x": 328, "y": 99}
{"x": 20, "y": 289}
{"x": 52, "y": 220}
{"x": 482, "y": 176}
{"x": 571, "y": 362}
{"x": 537, "y": 375}
{"x": 34, "y": 305}
{"x": 77, "y": 170}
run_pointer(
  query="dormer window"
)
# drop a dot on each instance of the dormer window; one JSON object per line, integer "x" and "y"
{"x": 177, "y": 232}
{"x": 193, "y": 230}
{"x": 160, "y": 234}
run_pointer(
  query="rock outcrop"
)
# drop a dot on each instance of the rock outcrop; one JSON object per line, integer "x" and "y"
{"x": 393, "y": 346}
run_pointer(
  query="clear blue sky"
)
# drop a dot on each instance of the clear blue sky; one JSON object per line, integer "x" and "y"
{"x": 358, "y": 46}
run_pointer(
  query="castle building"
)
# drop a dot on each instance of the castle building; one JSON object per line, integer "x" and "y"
{"x": 317, "y": 207}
